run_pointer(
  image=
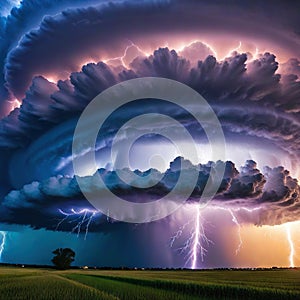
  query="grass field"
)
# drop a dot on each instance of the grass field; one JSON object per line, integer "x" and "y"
{"x": 25, "y": 283}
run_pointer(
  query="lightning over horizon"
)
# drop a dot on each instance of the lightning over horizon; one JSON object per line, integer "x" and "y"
{"x": 291, "y": 245}
{"x": 2, "y": 244}
{"x": 241, "y": 63}
{"x": 196, "y": 242}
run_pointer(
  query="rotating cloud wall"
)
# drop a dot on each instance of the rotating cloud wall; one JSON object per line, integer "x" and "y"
{"x": 57, "y": 56}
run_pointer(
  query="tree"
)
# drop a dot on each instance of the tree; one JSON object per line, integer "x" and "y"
{"x": 63, "y": 258}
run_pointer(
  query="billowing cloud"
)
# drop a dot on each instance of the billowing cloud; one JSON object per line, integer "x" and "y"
{"x": 56, "y": 56}
{"x": 19, "y": 18}
{"x": 274, "y": 194}
{"x": 249, "y": 183}
{"x": 233, "y": 87}
{"x": 77, "y": 30}
{"x": 66, "y": 33}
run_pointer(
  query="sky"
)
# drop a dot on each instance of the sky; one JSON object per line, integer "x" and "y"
{"x": 242, "y": 57}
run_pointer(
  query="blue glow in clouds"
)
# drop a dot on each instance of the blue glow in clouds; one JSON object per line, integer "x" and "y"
{"x": 7, "y": 6}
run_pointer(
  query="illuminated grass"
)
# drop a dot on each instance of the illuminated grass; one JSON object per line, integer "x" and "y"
{"x": 127, "y": 287}
{"x": 131, "y": 291}
{"x": 267, "y": 284}
{"x": 23, "y": 283}
{"x": 282, "y": 280}
{"x": 46, "y": 287}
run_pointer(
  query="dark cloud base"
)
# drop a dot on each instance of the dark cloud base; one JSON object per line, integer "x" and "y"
{"x": 45, "y": 204}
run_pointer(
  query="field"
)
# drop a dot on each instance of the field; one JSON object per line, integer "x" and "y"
{"x": 28, "y": 283}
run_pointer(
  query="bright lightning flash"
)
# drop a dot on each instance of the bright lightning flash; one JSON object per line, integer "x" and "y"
{"x": 199, "y": 237}
{"x": 234, "y": 219}
{"x": 122, "y": 57}
{"x": 82, "y": 220}
{"x": 197, "y": 242}
{"x": 180, "y": 48}
{"x": 291, "y": 244}
{"x": 14, "y": 104}
{"x": 2, "y": 244}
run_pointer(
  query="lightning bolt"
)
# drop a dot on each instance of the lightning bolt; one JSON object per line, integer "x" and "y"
{"x": 234, "y": 219}
{"x": 231, "y": 51}
{"x": 291, "y": 244}
{"x": 197, "y": 242}
{"x": 122, "y": 57}
{"x": 178, "y": 234}
{"x": 236, "y": 222}
{"x": 3, "y": 234}
{"x": 199, "y": 230}
{"x": 177, "y": 48}
{"x": 83, "y": 219}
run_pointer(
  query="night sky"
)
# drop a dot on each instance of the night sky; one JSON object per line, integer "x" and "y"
{"x": 243, "y": 57}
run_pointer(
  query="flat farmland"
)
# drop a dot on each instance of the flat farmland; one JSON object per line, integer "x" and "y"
{"x": 30, "y": 283}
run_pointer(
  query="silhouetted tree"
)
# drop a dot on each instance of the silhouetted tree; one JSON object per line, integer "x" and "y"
{"x": 63, "y": 258}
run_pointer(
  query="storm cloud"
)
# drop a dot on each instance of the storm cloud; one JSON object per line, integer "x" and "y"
{"x": 71, "y": 25}
{"x": 56, "y": 56}
{"x": 233, "y": 87}
{"x": 275, "y": 192}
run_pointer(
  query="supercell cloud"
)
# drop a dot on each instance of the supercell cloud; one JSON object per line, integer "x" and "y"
{"x": 56, "y": 56}
{"x": 276, "y": 192}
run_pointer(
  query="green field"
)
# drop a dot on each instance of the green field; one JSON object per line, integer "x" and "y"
{"x": 28, "y": 283}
